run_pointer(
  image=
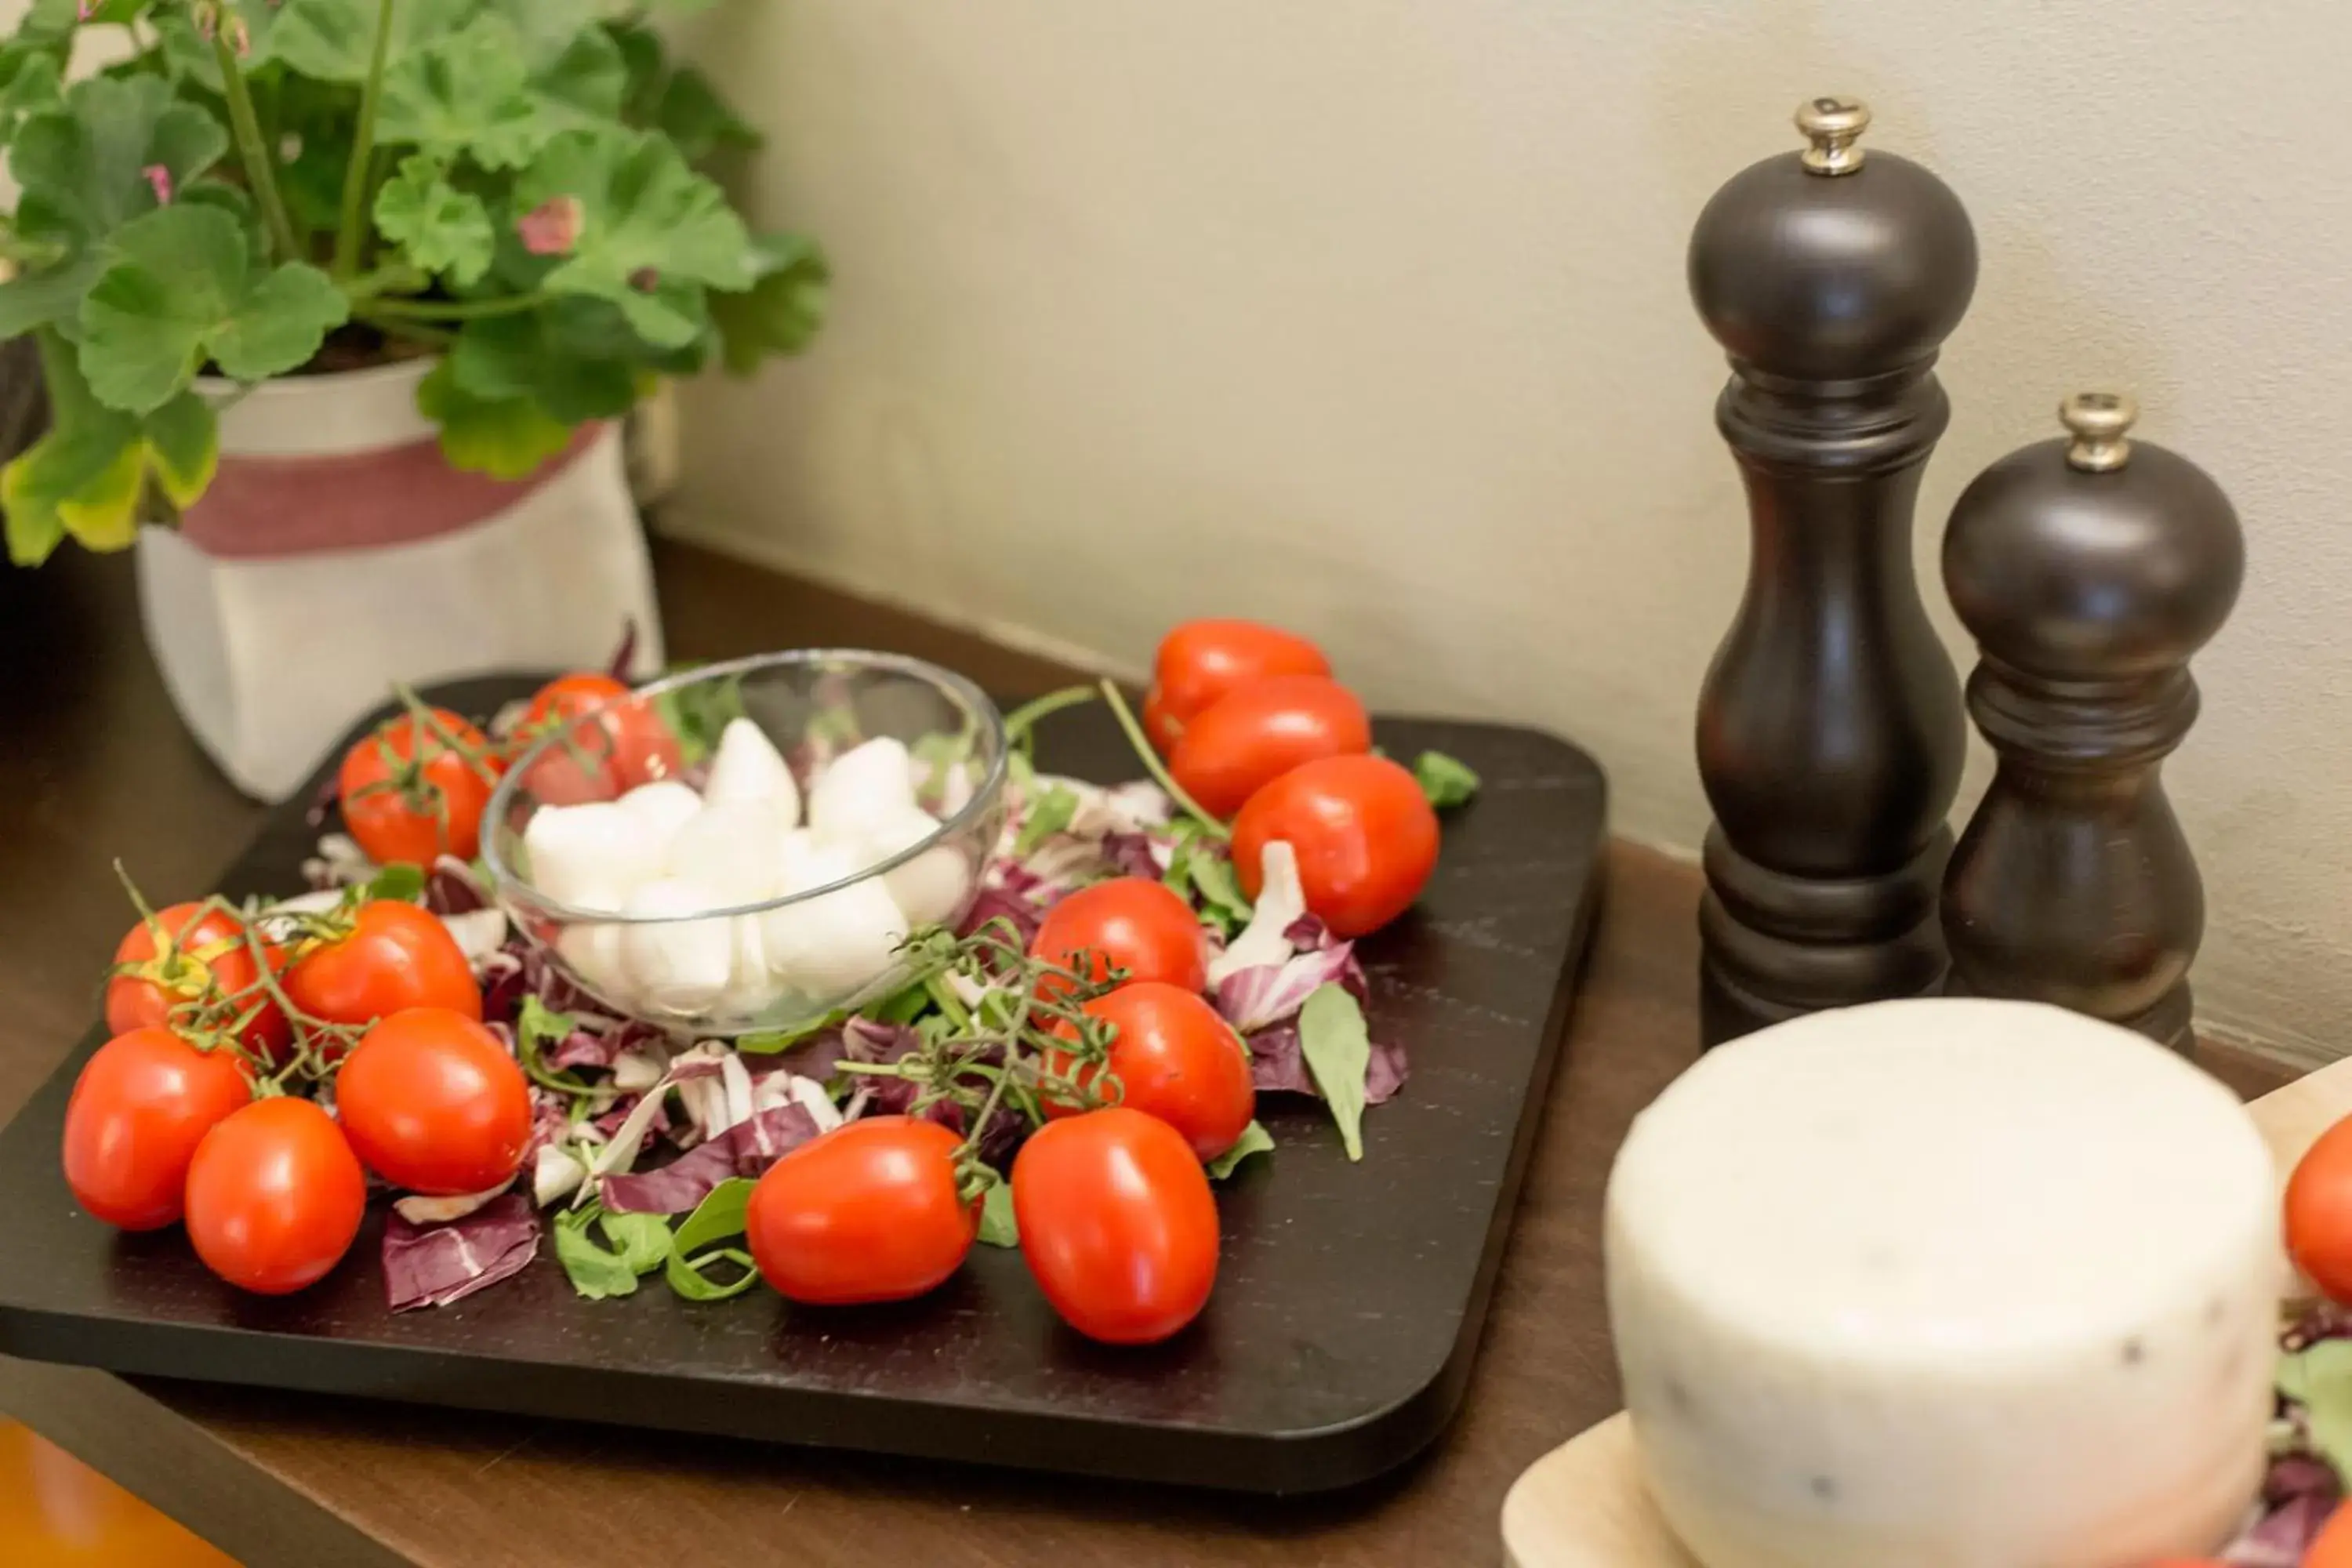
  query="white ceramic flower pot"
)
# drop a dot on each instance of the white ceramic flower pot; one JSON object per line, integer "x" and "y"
{"x": 336, "y": 552}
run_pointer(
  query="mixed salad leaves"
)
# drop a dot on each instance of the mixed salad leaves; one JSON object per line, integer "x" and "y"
{"x": 1132, "y": 969}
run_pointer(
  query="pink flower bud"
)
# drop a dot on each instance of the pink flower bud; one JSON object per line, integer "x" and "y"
{"x": 159, "y": 179}
{"x": 552, "y": 228}
{"x": 207, "y": 13}
{"x": 85, "y": 10}
{"x": 240, "y": 36}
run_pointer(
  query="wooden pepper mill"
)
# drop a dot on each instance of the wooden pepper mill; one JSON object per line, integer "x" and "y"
{"x": 2089, "y": 569}
{"x": 1830, "y": 731}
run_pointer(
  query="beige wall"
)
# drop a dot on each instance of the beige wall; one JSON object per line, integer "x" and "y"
{"x": 1368, "y": 316}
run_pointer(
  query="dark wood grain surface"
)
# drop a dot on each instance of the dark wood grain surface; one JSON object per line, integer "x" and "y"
{"x": 93, "y": 763}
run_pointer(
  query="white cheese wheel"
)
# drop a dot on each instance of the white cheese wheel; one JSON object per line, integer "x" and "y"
{"x": 1946, "y": 1284}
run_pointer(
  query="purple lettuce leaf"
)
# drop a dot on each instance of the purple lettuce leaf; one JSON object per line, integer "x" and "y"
{"x": 746, "y": 1149}
{"x": 1129, "y": 855}
{"x": 1267, "y": 993}
{"x": 2321, "y": 1321}
{"x": 432, "y": 1266}
{"x": 452, "y": 888}
{"x": 1008, "y": 904}
{"x": 1278, "y": 1066}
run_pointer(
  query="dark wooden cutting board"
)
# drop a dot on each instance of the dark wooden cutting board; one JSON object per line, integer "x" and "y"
{"x": 1348, "y": 1300}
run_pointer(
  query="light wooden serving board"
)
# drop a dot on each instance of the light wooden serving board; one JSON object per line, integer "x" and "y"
{"x": 1583, "y": 1504}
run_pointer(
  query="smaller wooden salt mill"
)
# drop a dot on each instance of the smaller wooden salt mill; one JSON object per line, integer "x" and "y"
{"x": 2089, "y": 569}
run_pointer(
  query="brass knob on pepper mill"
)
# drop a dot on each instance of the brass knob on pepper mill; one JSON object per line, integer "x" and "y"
{"x": 2089, "y": 569}
{"x": 1830, "y": 731}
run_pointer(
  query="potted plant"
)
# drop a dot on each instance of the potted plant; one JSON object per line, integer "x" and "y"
{"x": 354, "y": 293}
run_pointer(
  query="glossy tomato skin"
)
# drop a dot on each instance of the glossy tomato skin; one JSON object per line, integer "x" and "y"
{"x": 275, "y": 1196}
{"x": 1365, "y": 836}
{"x": 389, "y": 825}
{"x": 625, "y": 745}
{"x": 201, "y": 948}
{"x": 139, "y": 1108}
{"x": 1176, "y": 1059}
{"x": 2333, "y": 1548}
{"x": 432, "y": 1102}
{"x": 398, "y": 956}
{"x": 1117, "y": 1225}
{"x": 1259, "y": 731}
{"x": 2318, "y": 1215}
{"x": 1199, "y": 661}
{"x": 1129, "y": 922}
{"x": 869, "y": 1212}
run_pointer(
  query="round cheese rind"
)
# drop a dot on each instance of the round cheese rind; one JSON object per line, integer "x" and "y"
{"x": 1946, "y": 1284}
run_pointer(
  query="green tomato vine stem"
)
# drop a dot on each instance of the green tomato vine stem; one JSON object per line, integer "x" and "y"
{"x": 1158, "y": 772}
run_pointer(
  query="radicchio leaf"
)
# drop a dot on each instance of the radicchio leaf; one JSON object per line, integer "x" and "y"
{"x": 1267, "y": 993}
{"x": 1281, "y": 903}
{"x": 994, "y": 903}
{"x": 746, "y": 1149}
{"x": 452, "y": 888}
{"x": 1277, "y": 1068}
{"x": 1130, "y": 855}
{"x": 433, "y": 1266}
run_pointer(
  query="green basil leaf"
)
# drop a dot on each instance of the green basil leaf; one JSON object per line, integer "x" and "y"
{"x": 643, "y": 1239}
{"x": 595, "y": 1271}
{"x": 693, "y": 1284}
{"x": 1445, "y": 780}
{"x": 1217, "y": 888}
{"x": 1048, "y": 814}
{"x": 1338, "y": 1053}
{"x": 997, "y": 1227}
{"x": 904, "y": 1007}
{"x": 403, "y": 883}
{"x": 1255, "y": 1140}
{"x": 714, "y": 1219}
{"x": 540, "y": 1024}
{"x": 768, "y": 1042}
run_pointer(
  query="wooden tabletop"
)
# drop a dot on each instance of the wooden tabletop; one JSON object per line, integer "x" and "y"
{"x": 93, "y": 765}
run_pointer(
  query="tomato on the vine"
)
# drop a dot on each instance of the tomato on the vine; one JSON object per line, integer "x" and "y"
{"x": 411, "y": 796}
{"x": 431, "y": 1101}
{"x": 275, "y": 1196}
{"x": 869, "y": 1212}
{"x": 1257, "y": 732}
{"x": 2333, "y": 1549}
{"x": 1199, "y": 661}
{"x": 2318, "y": 1207}
{"x": 1365, "y": 835}
{"x": 203, "y": 955}
{"x": 139, "y": 1108}
{"x": 615, "y": 741}
{"x": 1131, "y": 923}
{"x": 396, "y": 956}
{"x": 1117, "y": 1225}
{"x": 1175, "y": 1059}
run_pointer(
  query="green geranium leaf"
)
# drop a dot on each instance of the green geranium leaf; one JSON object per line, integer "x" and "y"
{"x": 531, "y": 356}
{"x": 782, "y": 310}
{"x": 334, "y": 41}
{"x": 184, "y": 287}
{"x": 652, "y": 232}
{"x": 646, "y": 62}
{"x": 441, "y": 228}
{"x": 693, "y": 115}
{"x": 465, "y": 96}
{"x": 36, "y": 298}
{"x": 506, "y": 438}
{"x": 589, "y": 80}
{"x": 92, "y": 161}
{"x": 86, "y": 477}
{"x": 29, "y": 82}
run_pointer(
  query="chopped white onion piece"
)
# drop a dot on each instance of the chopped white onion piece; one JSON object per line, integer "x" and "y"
{"x": 418, "y": 1209}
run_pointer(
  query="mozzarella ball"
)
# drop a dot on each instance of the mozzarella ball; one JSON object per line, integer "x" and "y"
{"x": 664, "y": 806}
{"x": 933, "y": 886}
{"x": 733, "y": 850}
{"x": 677, "y": 966}
{"x": 865, "y": 786}
{"x": 747, "y": 766}
{"x": 590, "y": 857}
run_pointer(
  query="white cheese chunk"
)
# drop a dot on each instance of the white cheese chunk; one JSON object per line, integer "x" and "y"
{"x": 835, "y": 942}
{"x": 590, "y": 857}
{"x": 732, "y": 849}
{"x": 664, "y": 806}
{"x": 747, "y": 766}
{"x": 678, "y": 966}
{"x": 931, "y": 888}
{"x": 1946, "y": 1284}
{"x": 861, "y": 789}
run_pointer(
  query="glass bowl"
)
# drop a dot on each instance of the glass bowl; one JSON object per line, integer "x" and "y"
{"x": 725, "y": 917}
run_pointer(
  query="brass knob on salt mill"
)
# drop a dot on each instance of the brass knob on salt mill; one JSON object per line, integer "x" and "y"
{"x": 2089, "y": 569}
{"x": 1830, "y": 732}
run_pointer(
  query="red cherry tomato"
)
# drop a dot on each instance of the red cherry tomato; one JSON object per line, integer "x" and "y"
{"x": 1176, "y": 1059}
{"x": 204, "y": 954}
{"x": 1256, "y": 733}
{"x": 432, "y": 1102}
{"x": 275, "y": 1196}
{"x": 139, "y": 1109}
{"x": 623, "y": 744}
{"x": 2319, "y": 1213}
{"x": 1131, "y": 923}
{"x": 2333, "y": 1549}
{"x": 1365, "y": 836}
{"x": 870, "y": 1212}
{"x": 404, "y": 801}
{"x": 1199, "y": 661}
{"x": 397, "y": 956}
{"x": 1117, "y": 1223}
